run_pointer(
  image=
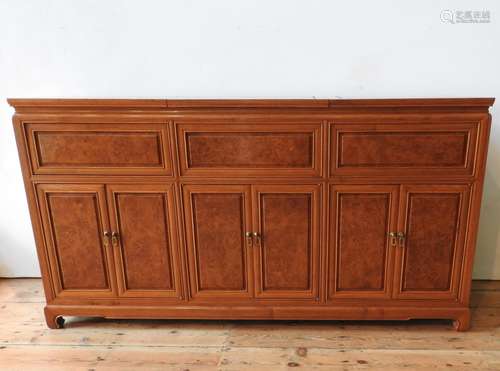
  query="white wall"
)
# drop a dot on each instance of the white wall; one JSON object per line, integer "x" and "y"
{"x": 240, "y": 49}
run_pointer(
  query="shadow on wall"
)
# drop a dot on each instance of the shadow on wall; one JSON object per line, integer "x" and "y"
{"x": 487, "y": 260}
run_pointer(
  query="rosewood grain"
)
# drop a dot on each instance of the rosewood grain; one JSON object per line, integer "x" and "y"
{"x": 255, "y": 209}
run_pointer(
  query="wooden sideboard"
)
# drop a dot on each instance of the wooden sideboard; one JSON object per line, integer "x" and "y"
{"x": 255, "y": 209}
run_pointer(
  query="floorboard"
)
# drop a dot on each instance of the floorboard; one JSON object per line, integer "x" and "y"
{"x": 94, "y": 344}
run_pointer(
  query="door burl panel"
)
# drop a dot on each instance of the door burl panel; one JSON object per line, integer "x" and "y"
{"x": 78, "y": 241}
{"x": 430, "y": 258}
{"x": 286, "y": 247}
{"x": 288, "y": 251}
{"x": 361, "y": 218}
{"x": 362, "y": 241}
{"x": 73, "y": 217}
{"x": 145, "y": 240}
{"x": 431, "y": 238}
{"x": 216, "y": 224}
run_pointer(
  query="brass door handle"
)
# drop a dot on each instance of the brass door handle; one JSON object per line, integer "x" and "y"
{"x": 114, "y": 239}
{"x": 393, "y": 236}
{"x": 256, "y": 237}
{"x": 248, "y": 236}
{"x": 401, "y": 238}
{"x": 105, "y": 238}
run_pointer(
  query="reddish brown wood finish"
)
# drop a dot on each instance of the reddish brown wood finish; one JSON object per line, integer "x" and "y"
{"x": 362, "y": 251}
{"x": 250, "y": 148}
{"x": 430, "y": 257}
{"x": 403, "y": 148}
{"x": 286, "y": 220}
{"x": 99, "y": 149}
{"x": 319, "y": 185}
{"x": 217, "y": 218}
{"x": 74, "y": 219}
{"x": 146, "y": 253}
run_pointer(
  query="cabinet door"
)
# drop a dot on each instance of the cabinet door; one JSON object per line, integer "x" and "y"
{"x": 361, "y": 252}
{"x": 217, "y": 218}
{"x": 74, "y": 219}
{"x": 146, "y": 248}
{"x": 433, "y": 218}
{"x": 286, "y": 218}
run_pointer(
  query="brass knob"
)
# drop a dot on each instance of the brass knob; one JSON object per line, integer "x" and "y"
{"x": 105, "y": 238}
{"x": 114, "y": 239}
{"x": 248, "y": 236}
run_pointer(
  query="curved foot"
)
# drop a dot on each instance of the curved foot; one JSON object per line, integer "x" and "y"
{"x": 60, "y": 322}
{"x": 462, "y": 323}
{"x": 54, "y": 321}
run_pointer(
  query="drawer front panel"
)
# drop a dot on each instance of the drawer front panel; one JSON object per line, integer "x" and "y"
{"x": 256, "y": 149}
{"x": 403, "y": 149}
{"x": 99, "y": 148}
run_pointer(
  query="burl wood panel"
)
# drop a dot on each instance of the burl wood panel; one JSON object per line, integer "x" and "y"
{"x": 78, "y": 241}
{"x": 99, "y": 148}
{"x": 254, "y": 150}
{"x": 145, "y": 241}
{"x": 249, "y": 149}
{"x": 287, "y": 248}
{"x": 74, "y": 225}
{"x": 432, "y": 217}
{"x": 431, "y": 239}
{"x": 402, "y": 148}
{"x": 286, "y": 241}
{"x": 218, "y": 249}
{"x": 362, "y": 217}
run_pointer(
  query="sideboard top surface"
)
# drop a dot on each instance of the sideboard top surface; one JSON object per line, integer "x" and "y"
{"x": 28, "y": 105}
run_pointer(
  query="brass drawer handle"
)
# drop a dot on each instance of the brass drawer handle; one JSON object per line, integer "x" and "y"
{"x": 114, "y": 239}
{"x": 105, "y": 238}
{"x": 248, "y": 236}
{"x": 393, "y": 236}
{"x": 256, "y": 237}
{"x": 401, "y": 238}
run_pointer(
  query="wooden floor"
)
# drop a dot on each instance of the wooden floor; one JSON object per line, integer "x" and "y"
{"x": 91, "y": 344}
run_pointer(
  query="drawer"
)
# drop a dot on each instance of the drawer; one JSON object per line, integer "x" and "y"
{"x": 250, "y": 149}
{"x": 403, "y": 149}
{"x": 139, "y": 148}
